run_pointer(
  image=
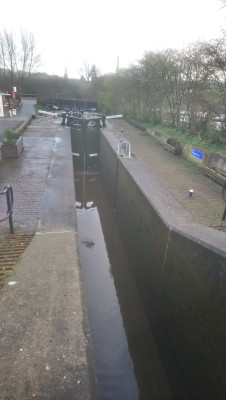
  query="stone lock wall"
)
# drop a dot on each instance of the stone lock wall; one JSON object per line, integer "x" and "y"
{"x": 181, "y": 277}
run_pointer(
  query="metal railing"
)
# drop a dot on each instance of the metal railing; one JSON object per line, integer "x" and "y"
{"x": 124, "y": 148}
{"x": 8, "y": 191}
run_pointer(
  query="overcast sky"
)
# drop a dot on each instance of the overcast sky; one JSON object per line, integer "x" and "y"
{"x": 70, "y": 33}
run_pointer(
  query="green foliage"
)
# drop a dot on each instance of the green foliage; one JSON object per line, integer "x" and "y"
{"x": 142, "y": 114}
{"x": 183, "y": 89}
{"x": 104, "y": 102}
{"x": 39, "y": 107}
{"x": 8, "y": 273}
{"x": 207, "y": 143}
{"x": 216, "y": 138}
{"x": 10, "y": 137}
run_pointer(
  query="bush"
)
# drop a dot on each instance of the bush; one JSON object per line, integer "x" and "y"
{"x": 10, "y": 137}
{"x": 39, "y": 106}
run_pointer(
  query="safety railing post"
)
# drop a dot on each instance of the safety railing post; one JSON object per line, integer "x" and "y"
{"x": 223, "y": 195}
{"x": 8, "y": 191}
{"x": 124, "y": 145}
{"x": 9, "y": 199}
{"x": 224, "y": 215}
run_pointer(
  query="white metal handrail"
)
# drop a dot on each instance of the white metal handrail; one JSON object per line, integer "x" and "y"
{"x": 124, "y": 148}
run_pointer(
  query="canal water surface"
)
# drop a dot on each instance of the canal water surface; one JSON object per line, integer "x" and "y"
{"x": 127, "y": 363}
{"x": 127, "y": 360}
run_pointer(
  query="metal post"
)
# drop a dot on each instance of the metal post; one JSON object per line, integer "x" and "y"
{"x": 223, "y": 195}
{"x": 224, "y": 215}
{"x": 127, "y": 148}
{"x": 9, "y": 199}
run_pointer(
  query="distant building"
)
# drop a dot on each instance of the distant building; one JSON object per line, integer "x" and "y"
{"x": 9, "y": 101}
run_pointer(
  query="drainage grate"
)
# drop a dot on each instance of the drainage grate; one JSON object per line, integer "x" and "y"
{"x": 11, "y": 249}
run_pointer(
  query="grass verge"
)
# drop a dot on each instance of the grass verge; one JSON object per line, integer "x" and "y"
{"x": 182, "y": 137}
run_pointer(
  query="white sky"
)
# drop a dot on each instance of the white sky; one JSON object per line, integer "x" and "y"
{"x": 97, "y": 32}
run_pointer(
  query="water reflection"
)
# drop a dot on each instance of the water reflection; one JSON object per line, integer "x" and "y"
{"x": 128, "y": 365}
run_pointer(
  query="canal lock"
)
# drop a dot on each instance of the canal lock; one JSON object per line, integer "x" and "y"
{"x": 130, "y": 364}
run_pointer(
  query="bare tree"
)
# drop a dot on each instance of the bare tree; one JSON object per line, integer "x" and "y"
{"x": 85, "y": 72}
{"x": 8, "y": 53}
{"x": 2, "y": 55}
{"x": 196, "y": 71}
{"x": 18, "y": 58}
{"x": 94, "y": 72}
{"x": 215, "y": 56}
{"x": 28, "y": 59}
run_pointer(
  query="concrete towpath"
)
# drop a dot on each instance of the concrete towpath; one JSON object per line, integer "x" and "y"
{"x": 25, "y": 111}
{"x": 176, "y": 174}
{"x": 45, "y": 345}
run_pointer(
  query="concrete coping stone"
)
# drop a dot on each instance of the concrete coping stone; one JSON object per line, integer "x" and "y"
{"x": 166, "y": 206}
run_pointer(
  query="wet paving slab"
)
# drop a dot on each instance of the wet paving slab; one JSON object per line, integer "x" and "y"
{"x": 45, "y": 347}
{"x": 25, "y": 111}
{"x": 28, "y": 174}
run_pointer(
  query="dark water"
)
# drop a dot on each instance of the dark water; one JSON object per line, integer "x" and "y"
{"x": 128, "y": 364}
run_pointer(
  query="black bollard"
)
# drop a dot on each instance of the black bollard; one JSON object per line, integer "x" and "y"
{"x": 64, "y": 116}
{"x": 103, "y": 120}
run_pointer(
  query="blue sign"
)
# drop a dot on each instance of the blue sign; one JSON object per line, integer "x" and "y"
{"x": 197, "y": 154}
